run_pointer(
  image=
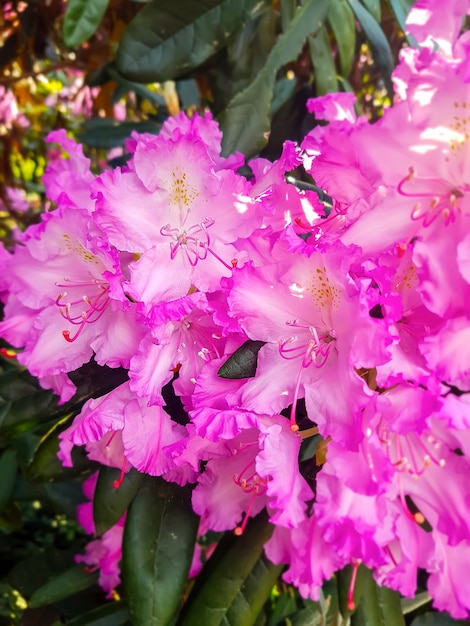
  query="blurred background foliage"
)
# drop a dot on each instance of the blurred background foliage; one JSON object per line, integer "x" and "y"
{"x": 100, "y": 69}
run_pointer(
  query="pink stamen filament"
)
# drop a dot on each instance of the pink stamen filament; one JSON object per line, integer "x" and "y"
{"x": 96, "y": 305}
{"x": 350, "y": 603}
{"x": 117, "y": 483}
{"x": 443, "y": 203}
{"x": 316, "y": 347}
{"x": 195, "y": 248}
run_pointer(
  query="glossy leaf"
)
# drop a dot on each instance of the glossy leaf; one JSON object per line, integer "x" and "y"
{"x": 243, "y": 362}
{"x": 158, "y": 546}
{"x": 342, "y": 22}
{"x": 379, "y": 606}
{"x": 235, "y": 582}
{"x": 81, "y": 20}
{"x": 66, "y": 584}
{"x": 380, "y": 47}
{"x": 245, "y": 122}
{"x": 323, "y": 65}
{"x": 110, "y": 503}
{"x": 168, "y": 39}
{"x": 8, "y": 469}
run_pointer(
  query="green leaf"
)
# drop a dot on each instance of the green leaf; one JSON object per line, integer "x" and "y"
{"x": 110, "y": 614}
{"x": 379, "y": 45}
{"x": 158, "y": 545}
{"x": 109, "y": 503}
{"x": 342, "y": 22}
{"x": 373, "y": 6}
{"x": 323, "y": 64}
{"x": 379, "y": 606}
{"x": 408, "y": 605}
{"x": 66, "y": 584}
{"x": 8, "y": 469}
{"x": 168, "y": 39}
{"x": 438, "y": 619}
{"x": 45, "y": 465}
{"x": 81, "y": 19}
{"x": 235, "y": 582}
{"x": 22, "y": 403}
{"x": 107, "y": 133}
{"x": 243, "y": 362}
{"x": 245, "y": 122}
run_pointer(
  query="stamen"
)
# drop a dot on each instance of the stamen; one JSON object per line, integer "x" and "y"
{"x": 117, "y": 483}
{"x": 96, "y": 302}
{"x": 350, "y": 603}
{"x": 195, "y": 241}
{"x": 443, "y": 197}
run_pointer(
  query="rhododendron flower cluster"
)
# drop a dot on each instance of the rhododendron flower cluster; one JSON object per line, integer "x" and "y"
{"x": 361, "y": 317}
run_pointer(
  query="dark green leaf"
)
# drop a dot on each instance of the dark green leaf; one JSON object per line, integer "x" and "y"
{"x": 168, "y": 39}
{"x": 45, "y": 465}
{"x": 158, "y": 545}
{"x": 323, "y": 65}
{"x": 245, "y": 122}
{"x": 228, "y": 583}
{"x": 81, "y": 19}
{"x": 22, "y": 403}
{"x": 107, "y": 133}
{"x": 8, "y": 469}
{"x": 66, "y": 584}
{"x": 438, "y": 619}
{"x": 110, "y": 614}
{"x": 35, "y": 571}
{"x": 342, "y": 22}
{"x": 379, "y": 45}
{"x": 109, "y": 504}
{"x": 379, "y": 606}
{"x": 243, "y": 362}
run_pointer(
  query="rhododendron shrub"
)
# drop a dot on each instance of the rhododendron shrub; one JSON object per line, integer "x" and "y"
{"x": 318, "y": 359}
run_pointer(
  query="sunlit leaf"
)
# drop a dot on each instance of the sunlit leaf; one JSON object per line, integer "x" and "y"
{"x": 168, "y": 39}
{"x": 81, "y": 19}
